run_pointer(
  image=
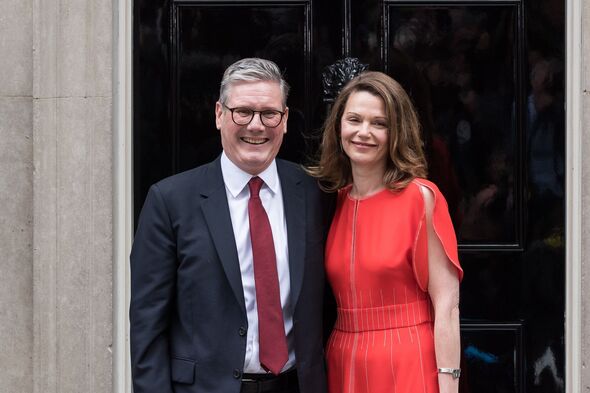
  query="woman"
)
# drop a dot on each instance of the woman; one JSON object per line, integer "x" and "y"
{"x": 391, "y": 255}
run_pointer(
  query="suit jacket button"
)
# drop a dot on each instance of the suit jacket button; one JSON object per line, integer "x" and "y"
{"x": 242, "y": 331}
{"x": 237, "y": 374}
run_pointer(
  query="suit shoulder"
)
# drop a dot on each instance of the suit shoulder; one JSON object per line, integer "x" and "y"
{"x": 184, "y": 180}
{"x": 289, "y": 165}
{"x": 290, "y": 168}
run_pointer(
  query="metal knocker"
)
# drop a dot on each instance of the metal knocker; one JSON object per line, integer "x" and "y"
{"x": 337, "y": 75}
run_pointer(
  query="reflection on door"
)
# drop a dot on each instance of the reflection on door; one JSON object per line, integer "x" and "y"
{"x": 487, "y": 78}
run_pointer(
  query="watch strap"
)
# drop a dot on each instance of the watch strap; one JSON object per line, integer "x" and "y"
{"x": 455, "y": 372}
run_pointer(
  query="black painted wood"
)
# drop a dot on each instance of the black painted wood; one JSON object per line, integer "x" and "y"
{"x": 488, "y": 80}
{"x": 460, "y": 66}
{"x": 493, "y": 357}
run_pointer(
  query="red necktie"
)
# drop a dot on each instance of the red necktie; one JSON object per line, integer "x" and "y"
{"x": 271, "y": 328}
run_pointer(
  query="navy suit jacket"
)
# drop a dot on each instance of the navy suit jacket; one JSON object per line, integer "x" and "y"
{"x": 187, "y": 314}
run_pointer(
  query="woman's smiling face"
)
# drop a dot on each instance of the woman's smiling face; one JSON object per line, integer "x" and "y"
{"x": 364, "y": 131}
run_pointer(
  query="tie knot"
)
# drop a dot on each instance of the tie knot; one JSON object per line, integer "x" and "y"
{"x": 255, "y": 184}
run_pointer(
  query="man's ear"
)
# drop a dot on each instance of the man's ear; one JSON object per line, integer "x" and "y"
{"x": 218, "y": 114}
{"x": 285, "y": 118}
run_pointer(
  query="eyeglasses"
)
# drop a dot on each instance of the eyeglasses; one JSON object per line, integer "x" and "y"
{"x": 243, "y": 116}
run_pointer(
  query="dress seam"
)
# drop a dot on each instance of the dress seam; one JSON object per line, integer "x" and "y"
{"x": 353, "y": 287}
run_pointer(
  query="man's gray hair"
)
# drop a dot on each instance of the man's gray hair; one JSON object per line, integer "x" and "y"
{"x": 252, "y": 69}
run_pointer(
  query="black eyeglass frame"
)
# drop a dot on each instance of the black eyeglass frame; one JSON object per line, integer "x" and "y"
{"x": 254, "y": 114}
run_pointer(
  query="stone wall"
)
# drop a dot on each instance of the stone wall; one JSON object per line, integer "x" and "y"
{"x": 56, "y": 196}
{"x": 72, "y": 203}
{"x": 16, "y": 196}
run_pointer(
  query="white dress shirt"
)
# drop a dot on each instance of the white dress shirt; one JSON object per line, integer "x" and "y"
{"x": 238, "y": 194}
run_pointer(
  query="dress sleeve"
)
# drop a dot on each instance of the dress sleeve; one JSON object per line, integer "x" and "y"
{"x": 443, "y": 227}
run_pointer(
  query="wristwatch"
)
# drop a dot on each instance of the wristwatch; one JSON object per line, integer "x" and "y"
{"x": 455, "y": 372}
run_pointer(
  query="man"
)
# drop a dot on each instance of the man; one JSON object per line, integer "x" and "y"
{"x": 227, "y": 278}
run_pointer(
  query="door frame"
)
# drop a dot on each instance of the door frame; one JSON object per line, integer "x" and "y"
{"x": 123, "y": 192}
{"x": 573, "y": 197}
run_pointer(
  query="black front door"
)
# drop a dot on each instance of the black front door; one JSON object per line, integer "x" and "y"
{"x": 488, "y": 80}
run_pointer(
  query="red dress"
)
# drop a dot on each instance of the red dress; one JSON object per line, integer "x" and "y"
{"x": 377, "y": 266}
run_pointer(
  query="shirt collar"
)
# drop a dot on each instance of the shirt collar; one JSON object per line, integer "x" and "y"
{"x": 236, "y": 179}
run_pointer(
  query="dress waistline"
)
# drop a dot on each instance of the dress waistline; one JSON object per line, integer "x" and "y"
{"x": 385, "y": 317}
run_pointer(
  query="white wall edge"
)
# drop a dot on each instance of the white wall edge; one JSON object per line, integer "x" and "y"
{"x": 122, "y": 189}
{"x": 573, "y": 231}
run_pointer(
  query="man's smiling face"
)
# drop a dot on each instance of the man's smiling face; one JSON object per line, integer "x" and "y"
{"x": 251, "y": 147}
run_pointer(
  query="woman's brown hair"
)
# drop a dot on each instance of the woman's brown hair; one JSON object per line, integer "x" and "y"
{"x": 406, "y": 155}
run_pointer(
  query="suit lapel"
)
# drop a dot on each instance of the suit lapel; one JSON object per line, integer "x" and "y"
{"x": 294, "y": 201}
{"x": 216, "y": 211}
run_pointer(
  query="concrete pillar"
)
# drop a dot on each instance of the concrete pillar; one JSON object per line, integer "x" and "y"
{"x": 72, "y": 204}
{"x": 16, "y": 197}
{"x": 585, "y": 201}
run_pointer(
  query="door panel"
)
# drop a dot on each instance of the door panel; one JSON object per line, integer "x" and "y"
{"x": 488, "y": 80}
{"x": 492, "y": 357}
{"x": 461, "y": 66}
